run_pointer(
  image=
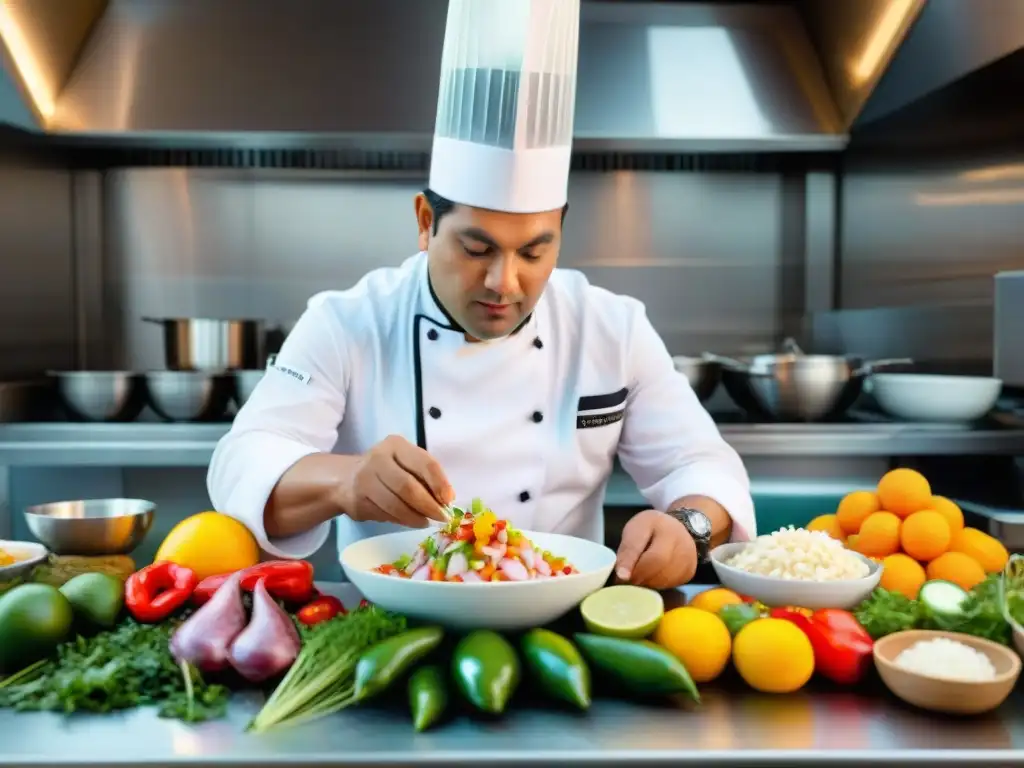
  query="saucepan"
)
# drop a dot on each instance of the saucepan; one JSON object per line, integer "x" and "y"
{"x": 793, "y": 386}
{"x": 208, "y": 344}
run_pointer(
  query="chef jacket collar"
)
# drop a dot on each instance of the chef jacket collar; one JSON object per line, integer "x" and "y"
{"x": 450, "y": 323}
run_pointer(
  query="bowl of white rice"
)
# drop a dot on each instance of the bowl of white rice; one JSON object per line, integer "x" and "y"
{"x": 796, "y": 567}
{"x": 947, "y": 672}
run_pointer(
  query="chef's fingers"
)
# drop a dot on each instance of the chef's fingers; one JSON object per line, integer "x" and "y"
{"x": 411, "y": 491}
{"x": 650, "y": 569}
{"x": 635, "y": 538}
{"x": 426, "y": 468}
{"x": 393, "y": 507}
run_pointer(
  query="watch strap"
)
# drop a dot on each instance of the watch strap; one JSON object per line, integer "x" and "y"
{"x": 700, "y": 531}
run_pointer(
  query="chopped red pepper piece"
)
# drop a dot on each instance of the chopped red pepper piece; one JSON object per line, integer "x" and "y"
{"x": 842, "y": 647}
{"x": 364, "y": 603}
{"x": 288, "y": 580}
{"x": 321, "y": 609}
{"x": 158, "y": 590}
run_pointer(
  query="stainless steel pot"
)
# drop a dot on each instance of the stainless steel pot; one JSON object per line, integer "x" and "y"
{"x": 205, "y": 344}
{"x": 703, "y": 374}
{"x": 793, "y": 386}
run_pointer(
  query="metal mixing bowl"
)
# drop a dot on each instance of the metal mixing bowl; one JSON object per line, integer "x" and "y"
{"x": 101, "y": 395}
{"x": 245, "y": 383}
{"x": 703, "y": 374}
{"x": 190, "y": 395}
{"x": 801, "y": 388}
{"x": 91, "y": 527}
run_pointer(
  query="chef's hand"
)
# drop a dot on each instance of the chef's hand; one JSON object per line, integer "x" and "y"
{"x": 656, "y": 551}
{"x": 398, "y": 482}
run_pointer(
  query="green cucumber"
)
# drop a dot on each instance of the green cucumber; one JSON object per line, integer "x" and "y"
{"x": 943, "y": 599}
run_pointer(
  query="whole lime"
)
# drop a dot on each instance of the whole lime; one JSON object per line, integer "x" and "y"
{"x": 34, "y": 620}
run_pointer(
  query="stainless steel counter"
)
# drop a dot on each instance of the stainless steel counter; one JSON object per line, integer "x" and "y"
{"x": 733, "y": 726}
{"x": 191, "y": 445}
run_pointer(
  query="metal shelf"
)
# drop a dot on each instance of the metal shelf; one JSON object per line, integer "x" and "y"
{"x": 191, "y": 445}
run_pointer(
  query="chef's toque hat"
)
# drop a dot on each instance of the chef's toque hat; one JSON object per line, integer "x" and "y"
{"x": 503, "y": 138}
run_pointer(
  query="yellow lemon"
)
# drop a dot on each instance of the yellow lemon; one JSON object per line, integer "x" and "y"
{"x": 698, "y": 638}
{"x": 210, "y": 544}
{"x": 713, "y": 600}
{"x": 773, "y": 656}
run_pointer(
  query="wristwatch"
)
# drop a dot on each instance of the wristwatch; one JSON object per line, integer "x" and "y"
{"x": 699, "y": 527}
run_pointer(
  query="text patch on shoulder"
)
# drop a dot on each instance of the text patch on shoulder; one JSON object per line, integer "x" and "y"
{"x": 290, "y": 371}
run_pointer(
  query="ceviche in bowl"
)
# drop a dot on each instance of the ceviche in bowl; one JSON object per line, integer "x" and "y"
{"x": 476, "y": 546}
{"x": 452, "y": 575}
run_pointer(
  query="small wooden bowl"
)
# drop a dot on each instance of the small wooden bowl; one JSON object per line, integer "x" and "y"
{"x": 955, "y": 697}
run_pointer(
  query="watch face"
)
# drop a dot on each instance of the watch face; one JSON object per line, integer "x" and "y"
{"x": 699, "y": 522}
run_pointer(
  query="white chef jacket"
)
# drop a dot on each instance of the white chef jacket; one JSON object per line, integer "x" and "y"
{"x": 531, "y": 423}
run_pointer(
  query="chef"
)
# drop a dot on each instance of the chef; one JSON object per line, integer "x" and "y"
{"x": 476, "y": 368}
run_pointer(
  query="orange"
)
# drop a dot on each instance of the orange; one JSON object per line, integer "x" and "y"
{"x": 210, "y": 544}
{"x": 880, "y": 535}
{"x": 925, "y": 535}
{"x": 957, "y": 567}
{"x": 854, "y": 509}
{"x": 828, "y": 524}
{"x": 904, "y": 492}
{"x": 988, "y": 551}
{"x": 948, "y": 510}
{"x": 902, "y": 573}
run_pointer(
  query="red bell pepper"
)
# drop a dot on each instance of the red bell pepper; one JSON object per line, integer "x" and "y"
{"x": 321, "y": 609}
{"x": 158, "y": 590}
{"x": 842, "y": 647}
{"x": 288, "y": 580}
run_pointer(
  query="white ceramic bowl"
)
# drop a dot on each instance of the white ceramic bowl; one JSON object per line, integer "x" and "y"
{"x": 927, "y": 397}
{"x": 29, "y": 554}
{"x": 777, "y": 592}
{"x": 493, "y": 605}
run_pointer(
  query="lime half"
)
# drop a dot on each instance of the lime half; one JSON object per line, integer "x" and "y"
{"x": 623, "y": 611}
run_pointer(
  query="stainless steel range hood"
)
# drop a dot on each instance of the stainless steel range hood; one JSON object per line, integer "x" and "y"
{"x": 948, "y": 40}
{"x": 654, "y": 76}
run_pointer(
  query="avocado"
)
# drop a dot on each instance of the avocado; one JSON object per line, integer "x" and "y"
{"x": 34, "y": 620}
{"x": 96, "y": 598}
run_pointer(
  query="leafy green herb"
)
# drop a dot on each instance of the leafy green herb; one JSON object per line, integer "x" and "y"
{"x": 1011, "y": 592}
{"x": 127, "y": 667}
{"x": 321, "y": 681}
{"x": 885, "y": 613}
{"x": 981, "y": 614}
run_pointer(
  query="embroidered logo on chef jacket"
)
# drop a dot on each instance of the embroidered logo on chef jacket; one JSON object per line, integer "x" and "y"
{"x": 601, "y": 410}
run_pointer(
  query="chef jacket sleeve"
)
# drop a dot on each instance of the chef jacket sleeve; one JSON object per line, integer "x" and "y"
{"x": 670, "y": 445}
{"x": 284, "y": 420}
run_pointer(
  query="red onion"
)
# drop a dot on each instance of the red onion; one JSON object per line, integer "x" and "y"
{"x": 270, "y": 643}
{"x": 204, "y": 639}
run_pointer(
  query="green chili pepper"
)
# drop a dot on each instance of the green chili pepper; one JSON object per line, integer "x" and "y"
{"x": 428, "y": 696}
{"x": 639, "y": 666}
{"x": 736, "y": 617}
{"x": 381, "y": 665}
{"x": 557, "y": 666}
{"x": 486, "y": 670}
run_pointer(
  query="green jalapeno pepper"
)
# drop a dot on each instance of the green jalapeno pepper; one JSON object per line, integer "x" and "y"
{"x": 486, "y": 670}
{"x": 639, "y": 666}
{"x": 556, "y": 664}
{"x": 428, "y": 696}
{"x": 382, "y": 664}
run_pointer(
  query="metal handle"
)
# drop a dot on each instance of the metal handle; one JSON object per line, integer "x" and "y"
{"x": 868, "y": 368}
{"x": 152, "y": 320}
